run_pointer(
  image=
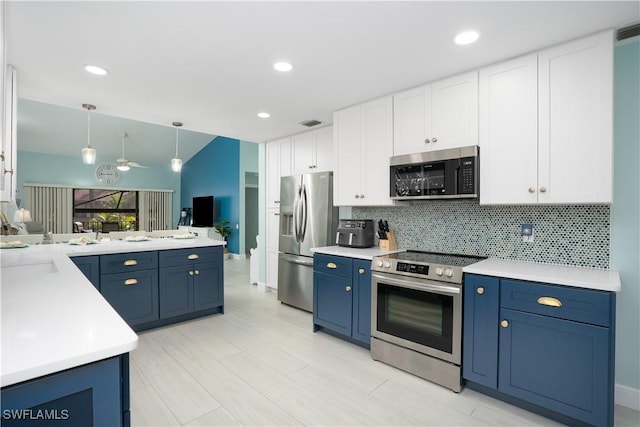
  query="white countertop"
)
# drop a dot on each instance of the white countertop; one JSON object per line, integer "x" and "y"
{"x": 53, "y": 318}
{"x": 361, "y": 253}
{"x": 580, "y": 277}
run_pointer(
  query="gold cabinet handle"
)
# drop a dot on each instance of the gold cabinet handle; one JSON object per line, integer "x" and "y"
{"x": 347, "y": 288}
{"x": 361, "y": 271}
{"x": 130, "y": 262}
{"x": 543, "y": 189}
{"x": 550, "y": 301}
{"x": 131, "y": 282}
{"x": 331, "y": 265}
{"x": 197, "y": 272}
{"x": 193, "y": 256}
{"x": 504, "y": 324}
{"x": 190, "y": 272}
{"x": 480, "y": 290}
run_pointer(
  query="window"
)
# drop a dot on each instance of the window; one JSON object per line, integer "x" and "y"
{"x": 105, "y": 210}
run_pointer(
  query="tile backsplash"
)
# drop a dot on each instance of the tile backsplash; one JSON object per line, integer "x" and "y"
{"x": 570, "y": 235}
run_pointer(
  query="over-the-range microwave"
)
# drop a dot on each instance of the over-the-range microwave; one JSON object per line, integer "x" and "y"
{"x": 442, "y": 174}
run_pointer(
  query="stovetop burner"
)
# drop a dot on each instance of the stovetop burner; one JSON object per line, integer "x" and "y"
{"x": 426, "y": 265}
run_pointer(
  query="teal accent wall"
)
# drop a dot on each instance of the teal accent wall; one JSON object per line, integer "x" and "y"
{"x": 42, "y": 168}
{"x": 625, "y": 211}
{"x": 215, "y": 170}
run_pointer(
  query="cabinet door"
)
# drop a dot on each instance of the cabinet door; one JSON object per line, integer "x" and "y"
{"x": 278, "y": 156}
{"x": 454, "y": 112}
{"x": 324, "y": 150}
{"x": 412, "y": 121}
{"x": 361, "y": 318}
{"x": 273, "y": 228}
{"x": 480, "y": 332}
{"x": 376, "y": 149}
{"x": 576, "y": 116}
{"x": 303, "y": 156}
{"x": 133, "y": 295}
{"x": 332, "y": 302}
{"x": 509, "y": 131}
{"x": 176, "y": 291}
{"x": 558, "y": 364}
{"x": 347, "y": 157}
{"x": 272, "y": 268}
{"x": 90, "y": 267}
{"x": 208, "y": 288}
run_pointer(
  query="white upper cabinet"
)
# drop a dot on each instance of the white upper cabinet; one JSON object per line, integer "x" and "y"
{"x": 575, "y": 110}
{"x": 509, "y": 131}
{"x": 441, "y": 115}
{"x": 546, "y": 132}
{"x": 313, "y": 151}
{"x": 278, "y": 154}
{"x": 362, "y": 146}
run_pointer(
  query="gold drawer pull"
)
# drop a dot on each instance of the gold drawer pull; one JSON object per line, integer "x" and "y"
{"x": 480, "y": 290}
{"x": 193, "y": 256}
{"x": 331, "y": 265}
{"x": 550, "y": 301}
{"x": 131, "y": 282}
{"x": 130, "y": 262}
{"x": 361, "y": 270}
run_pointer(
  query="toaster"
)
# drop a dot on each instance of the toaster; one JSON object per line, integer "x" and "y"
{"x": 355, "y": 233}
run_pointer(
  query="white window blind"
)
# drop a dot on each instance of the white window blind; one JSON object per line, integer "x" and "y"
{"x": 155, "y": 210}
{"x": 50, "y": 206}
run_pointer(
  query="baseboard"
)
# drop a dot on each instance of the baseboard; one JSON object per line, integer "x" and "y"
{"x": 627, "y": 397}
{"x": 237, "y": 256}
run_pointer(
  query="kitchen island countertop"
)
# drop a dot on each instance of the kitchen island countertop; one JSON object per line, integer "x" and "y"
{"x": 581, "y": 277}
{"x": 53, "y": 318}
{"x": 361, "y": 253}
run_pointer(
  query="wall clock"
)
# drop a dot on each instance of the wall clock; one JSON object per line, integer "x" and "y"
{"x": 107, "y": 173}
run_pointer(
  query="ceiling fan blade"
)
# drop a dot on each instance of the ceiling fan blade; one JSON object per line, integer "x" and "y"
{"x": 136, "y": 165}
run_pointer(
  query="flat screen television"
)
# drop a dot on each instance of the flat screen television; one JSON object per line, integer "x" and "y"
{"x": 203, "y": 211}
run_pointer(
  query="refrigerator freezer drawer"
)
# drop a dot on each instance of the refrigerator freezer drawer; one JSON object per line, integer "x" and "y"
{"x": 295, "y": 281}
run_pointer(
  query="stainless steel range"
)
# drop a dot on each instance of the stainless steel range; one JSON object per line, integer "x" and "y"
{"x": 416, "y": 314}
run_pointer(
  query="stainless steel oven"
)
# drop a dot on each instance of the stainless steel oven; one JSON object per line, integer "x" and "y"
{"x": 416, "y": 314}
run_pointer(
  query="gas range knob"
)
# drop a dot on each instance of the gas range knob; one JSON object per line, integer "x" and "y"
{"x": 387, "y": 264}
{"x": 448, "y": 272}
{"x": 379, "y": 263}
{"x": 439, "y": 271}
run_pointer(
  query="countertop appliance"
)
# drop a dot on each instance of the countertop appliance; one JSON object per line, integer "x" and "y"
{"x": 355, "y": 233}
{"x": 308, "y": 219}
{"x": 442, "y": 174}
{"x": 416, "y": 314}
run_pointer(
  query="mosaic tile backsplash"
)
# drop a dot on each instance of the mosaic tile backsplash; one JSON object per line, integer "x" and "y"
{"x": 570, "y": 235}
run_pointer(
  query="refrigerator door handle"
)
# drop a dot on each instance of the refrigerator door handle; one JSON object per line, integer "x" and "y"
{"x": 297, "y": 260}
{"x": 296, "y": 203}
{"x": 303, "y": 204}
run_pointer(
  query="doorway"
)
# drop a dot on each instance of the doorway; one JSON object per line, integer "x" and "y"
{"x": 251, "y": 218}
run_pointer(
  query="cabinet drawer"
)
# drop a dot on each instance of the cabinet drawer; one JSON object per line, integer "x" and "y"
{"x": 335, "y": 265}
{"x": 175, "y": 257}
{"x": 132, "y": 261}
{"x": 581, "y": 305}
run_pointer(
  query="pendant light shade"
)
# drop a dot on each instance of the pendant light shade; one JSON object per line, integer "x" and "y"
{"x": 176, "y": 162}
{"x": 88, "y": 152}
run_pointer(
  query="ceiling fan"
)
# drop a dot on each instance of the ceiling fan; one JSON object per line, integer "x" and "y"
{"x": 122, "y": 163}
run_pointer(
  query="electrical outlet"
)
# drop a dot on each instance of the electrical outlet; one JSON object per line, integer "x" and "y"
{"x": 526, "y": 230}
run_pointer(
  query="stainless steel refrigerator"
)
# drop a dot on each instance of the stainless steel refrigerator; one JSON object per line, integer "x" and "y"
{"x": 308, "y": 220}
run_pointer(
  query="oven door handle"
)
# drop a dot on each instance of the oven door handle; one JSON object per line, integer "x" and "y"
{"x": 419, "y": 286}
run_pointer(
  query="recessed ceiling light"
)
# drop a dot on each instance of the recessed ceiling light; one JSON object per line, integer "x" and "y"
{"x": 264, "y": 115}
{"x": 94, "y": 69}
{"x": 467, "y": 37}
{"x": 283, "y": 66}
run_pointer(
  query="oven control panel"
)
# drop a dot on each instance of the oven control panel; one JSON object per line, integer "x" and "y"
{"x": 406, "y": 267}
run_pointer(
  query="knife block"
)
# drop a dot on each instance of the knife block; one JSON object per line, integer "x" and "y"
{"x": 388, "y": 244}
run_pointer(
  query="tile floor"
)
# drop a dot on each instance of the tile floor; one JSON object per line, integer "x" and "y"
{"x": 261, "y": 364}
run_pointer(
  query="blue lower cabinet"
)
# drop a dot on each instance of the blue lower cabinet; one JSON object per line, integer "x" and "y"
{"x": 549, "y": 348}
{"x": 342, "y": 297}
{"x": 208, "y": 287}
{"x": 362, "y": 301}
{"x": 133, "y": 295}
{"x": 176, "y": 291}
{"x": 96, "y": 394}
{"x": 90, "y": 267}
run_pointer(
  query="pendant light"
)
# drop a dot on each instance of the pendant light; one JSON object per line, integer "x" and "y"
{"x": 88, "y": 153}
{"x": 176, "y": 162}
